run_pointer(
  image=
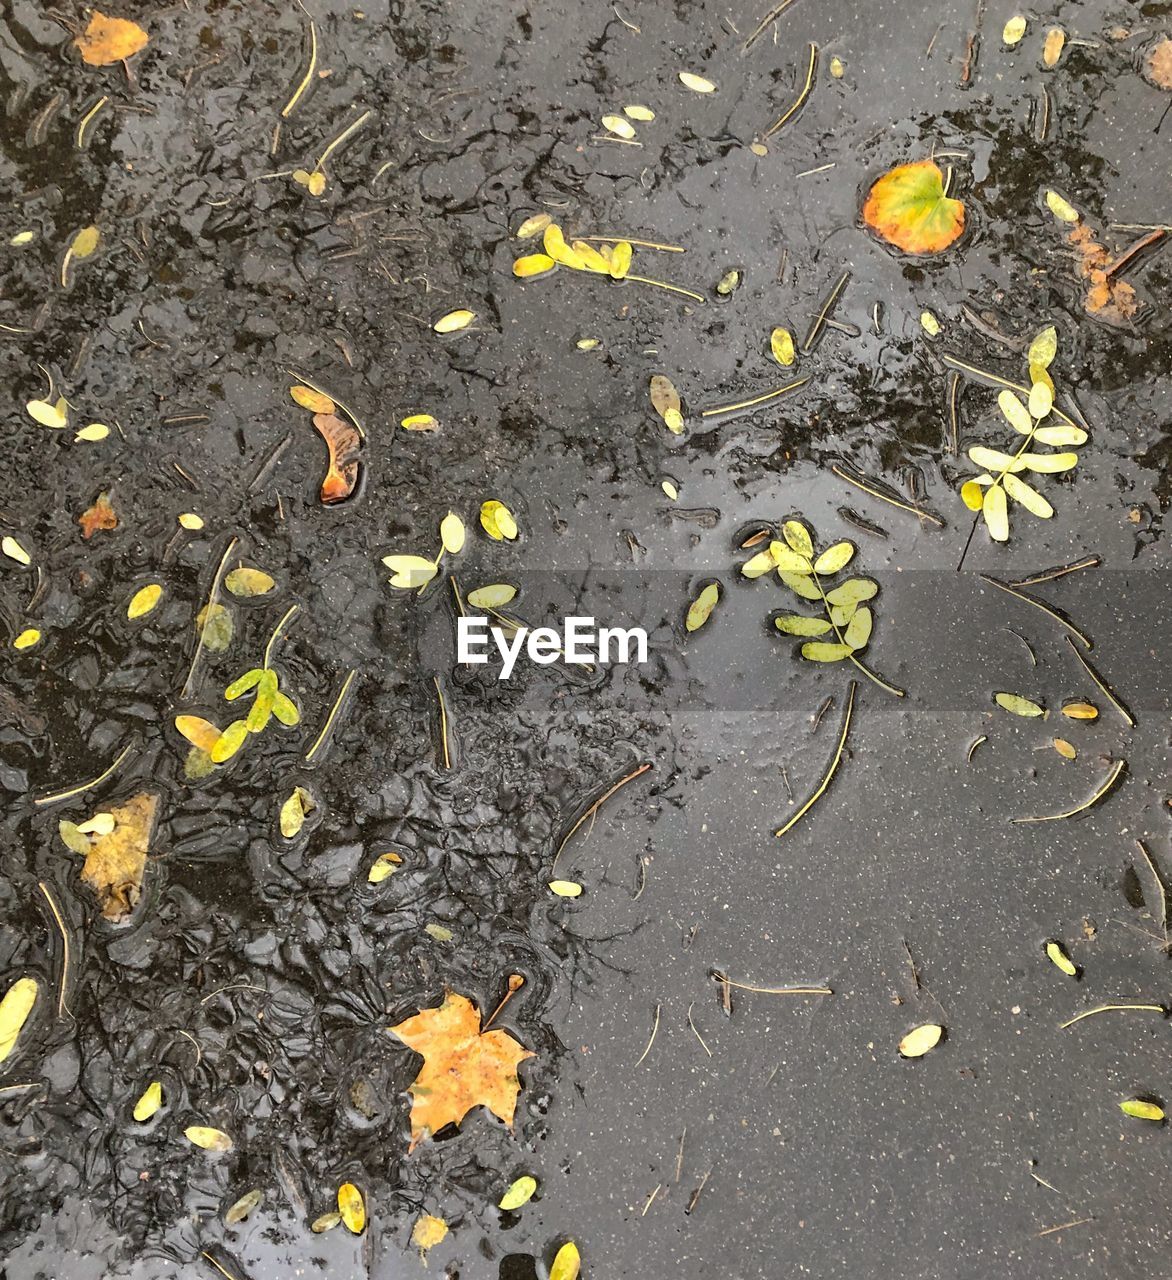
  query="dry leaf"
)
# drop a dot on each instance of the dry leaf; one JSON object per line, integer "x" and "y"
{"x": 909, "y": 209}
{"x": 215, "y": 627}
{"x": 665, "y": 400}
{"x": 100, "y": 516}
{"x": 384, "y": 866}
{"x": 327, "y": 1222}
{"x": 462, "y": 1067}
{"x": 1064, "y": 749}
{"x": 637, "y": 111}
{"x": 410, "y": 572}
{"x": 314, "y": 401}
{"x": 294, "y": 810}
{"x": 14, "y": 1011}
{"x": 1157, "y": 64}
{"x": 114, "y": 863}
{"x": 1052, "y": 49}
{"x": 351, "y": 1207}
{"x": 1081, "y": 711}
{"x": 701, "y": 608}
{"x": 1108, "y": 297}
{"x": 344, "y": 442}
{"x": 534, "y": 225}
{"x": 428, "y": 1232}
{"x": 144, "y": 600}
{"x": 109, "y": 40}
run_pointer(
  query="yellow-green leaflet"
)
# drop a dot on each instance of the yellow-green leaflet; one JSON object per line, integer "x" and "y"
{"x": 995, "y": 509}
{"x": 1015, "y": 413}
{"x": 497, "y": 521}
{"x": 521, "y": 1192}
{"x": 494, "y": 596}
{"x": 835, "y": 557}
{"x": 1056, "y": 953}
{"x": 229, "y": 742}
{"x": 638, "y": 112}
{"x": 95, "y": 431}
{"x": 1140, "y": 1109}
{"x": 781, "y": 344}
{"x": 452, "y": 533}
{"x": 819, "y": 651}
{"x": 1041, "y": 399}
{"x": 761, "y": 563}
{"x": 14, "y": 1011}
{"x": 1044, "y": 347}
{"x": 27, "y": 638}
{"x": 85, "y": 242}
{"x": 566, "y": 888}
{"x": 701, "y": 608}
{"x": 150, "y": 1102}
{"x": 242, "y": 1208}
{"x": 454, "y": 320}
{"x": 568, "y": 1261}
{"x": 1028, "y": 496}
{"x": 800, "y": 584}
{"x": 49, "y": 415}
{"x": 994, "y": 459}
{"x": 1013, "y": 30}
{"x": 327, "y": 1222}
{"x": 929, "y": 323}
{"x": 144, "y": 600}
{"x": 207, "y": 1138}
{"x": 249, "y": 582}
{"x": 853, "y": 591}
{"x": 795, "y": 624}
{"x": 618, "y": 126}
{"x": 410, "y": 571}
{"x": 798, "y": 537}
{"x": 1017, "y": 705}
{"x": 534, "y": 225}
{"x": 788, "y": 560}
{"x": 1048, "y": 463}
{"x": 1060, "y": 208}
{"x": 351, "y": 1207}
{"x": 858, "y": 629}
{"x": 921, "y": 1040}
{"x": 383, "y": 867}
{"x": 1061, "y": 434}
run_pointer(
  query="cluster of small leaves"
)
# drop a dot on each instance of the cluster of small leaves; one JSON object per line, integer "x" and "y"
{"x": 415, "y": 572}
{"x": 211, "y": 746}
{"x": 607, "y": 260}
{"x": 847, "y": 618}
{"x": 989, "y": 492}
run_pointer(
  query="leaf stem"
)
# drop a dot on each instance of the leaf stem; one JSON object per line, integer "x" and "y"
{"x": 276, "y": 635}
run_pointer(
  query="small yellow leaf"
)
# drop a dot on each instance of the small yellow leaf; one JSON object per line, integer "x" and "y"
{"x": 1081, "y": 711}
{"x": 798, "y": 537}
{"x": 207, "y": 1138}
{"x": 199, "y": 732}
{"x": 22, "y": 238}
{"x": 1060, "y": 208}
{"x": 14, "y": 1011}
{"x": 94, "y": 431}
{"x": 495, "y": 596}
{"x": 419, "y": 422}
{"x": 921, "y": 1040}
{"x": 757, "y": 565}
{"x": 587, "y": 344}
{"x": 452, "y": 533}
{"x": 929, "y": 323}
{"x": 672, "y": 492}
{"x": 533, "y": 264}
{"x": 85, "y": 242}
{"x": 590, "y": 258}
{"x": 101, "y": 824}
{"x": 1056, "y": 954}
{"x": 972, "y": 495}
{"x": 14, "y": 551}
{"x": 1041, "y": 400}
{"x": 316, "y": 184}
{"x": 554, "y": 244}
{"x": 698, "y": 84}
{"x": 521, "y": 1192}
{"x": 109, "y": 40}
{"x": 144, "y": 600}
{"x": 566, "y": 888}
{"x": 620, "y": 260}
{"x": 249, "y": 582}
{"x": 701, "y": 608}
{"x": 327, "y": 1222}
{"x": 410, "y": 571}
{"x": 454, "y": 321}
{"x": 1013, "y": 30}
{"x": 618, "y": 126}
{"x": 834, "y": 558}
{"x": 229, "y": 742}
{"x": 301, "y": 177}
{"x": 1052, "y": 49}
{"x": 189, "y": 520}
{"x": 1015, "y": 413}
{"x": 314, "y": 401}
{"x": 1016, "y": 705}
{"x": 1064, "y": 749}
{"x": 150, "y": 1102}
{"x": 242, "y": 1208}
{"x": 534, "y": 225}
{"x": 781, "y": 344}
{"x": 995, "y": 509}
{"x": 384, "y": 866}
{"x": 567, "y": 1263}
{"x": 638, "y": 112}
{"x": 351, "y": 1207}
{"x": 47, "y": 414}
{"x": 1043, "y": 348}
{"x": 497, "y": 521}
{"x": 1141, "y": 1109}
{"x": 27, "y": 638}
{"x": 837, "y": 70}
{"x": 428, "y": 1232}
{"x": 294, "y": 810}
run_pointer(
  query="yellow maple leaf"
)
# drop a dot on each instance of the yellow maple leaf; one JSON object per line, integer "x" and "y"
{"x": 109, "y": 40}
{"x": 463, "y": 1067}
{"x": 115, "y": 863}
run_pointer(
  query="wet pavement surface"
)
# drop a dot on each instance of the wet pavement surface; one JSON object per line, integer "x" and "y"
{"x": 675, "y": 1126}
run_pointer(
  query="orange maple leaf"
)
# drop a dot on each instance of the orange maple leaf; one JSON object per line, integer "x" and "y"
{"x": 107, "y": 40}
{"x": 344, "y": 443}
{"x": 463, "y": 1067}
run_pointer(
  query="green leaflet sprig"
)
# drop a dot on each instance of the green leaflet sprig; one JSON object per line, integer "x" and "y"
{"x": 847, "y": 617}
{"x": 268, "y": 702}
{"x": 989, "y": 493}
